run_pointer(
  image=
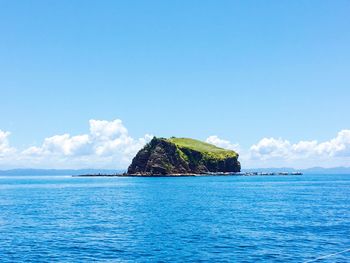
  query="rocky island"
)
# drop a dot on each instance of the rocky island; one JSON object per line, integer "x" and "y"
{"x": 186, "y": 157}
{"x": 182, "y": 156}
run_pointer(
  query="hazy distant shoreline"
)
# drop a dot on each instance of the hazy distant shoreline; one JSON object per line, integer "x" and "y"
{"x": 20, "y": 172}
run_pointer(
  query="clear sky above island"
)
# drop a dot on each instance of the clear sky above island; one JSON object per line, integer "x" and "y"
{"x": 240, "y": 70}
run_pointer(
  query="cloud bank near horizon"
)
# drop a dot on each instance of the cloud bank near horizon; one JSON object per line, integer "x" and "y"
{"x": 109, "y": 145}
{"x": 303, "y": 154}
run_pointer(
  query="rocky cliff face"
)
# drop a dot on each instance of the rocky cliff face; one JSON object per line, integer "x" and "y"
{"x": 182, "y": 156}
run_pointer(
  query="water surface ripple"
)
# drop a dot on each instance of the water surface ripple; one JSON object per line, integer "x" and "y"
{"x": 221, "y": 219}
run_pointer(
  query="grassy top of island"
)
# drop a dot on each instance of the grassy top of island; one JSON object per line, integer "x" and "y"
{"x": 208, "y": 150}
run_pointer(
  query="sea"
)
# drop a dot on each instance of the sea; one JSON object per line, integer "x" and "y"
{"x": 187, "y": 219}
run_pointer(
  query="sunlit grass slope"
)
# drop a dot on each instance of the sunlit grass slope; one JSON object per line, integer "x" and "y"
{"x": 206, "y": 149}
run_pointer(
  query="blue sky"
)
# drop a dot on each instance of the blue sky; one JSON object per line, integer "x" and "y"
{"x": 239, "y": 70}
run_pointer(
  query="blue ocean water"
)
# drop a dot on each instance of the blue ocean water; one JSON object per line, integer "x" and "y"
{"x": 208, "y": 219}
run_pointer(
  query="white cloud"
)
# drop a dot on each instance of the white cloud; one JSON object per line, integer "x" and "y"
{"x": 278, "y": 152}
{"x": 66, "y": 144}
{"x": 108, "y": 145}
{"x": 5, "y": 148}
{"x": 222, "y": 143}
{"x": 270, "y": 148}
{"x": 305, "y": 153}
{"x": 105, "y": 130}
{"x": 339, "y": 146}
{"x": 304, "y": 148}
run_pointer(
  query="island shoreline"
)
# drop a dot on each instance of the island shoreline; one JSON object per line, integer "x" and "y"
{"x": 192, "y": 175}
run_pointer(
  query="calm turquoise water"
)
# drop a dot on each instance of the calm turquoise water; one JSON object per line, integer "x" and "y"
{"x": 222, "y": 219}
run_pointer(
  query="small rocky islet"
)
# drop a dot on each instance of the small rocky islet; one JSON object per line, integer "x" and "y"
{"x": 181, "y": 157}
{"x": 185, "y": 157}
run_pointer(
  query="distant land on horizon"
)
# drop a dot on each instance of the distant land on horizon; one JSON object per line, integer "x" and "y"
{"x": 31, "y": 172}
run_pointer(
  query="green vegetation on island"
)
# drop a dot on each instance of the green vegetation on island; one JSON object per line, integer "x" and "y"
{"x": 207, "y": 149}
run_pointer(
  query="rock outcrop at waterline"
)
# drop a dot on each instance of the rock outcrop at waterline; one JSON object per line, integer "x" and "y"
{"x": 182, "y": 156}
